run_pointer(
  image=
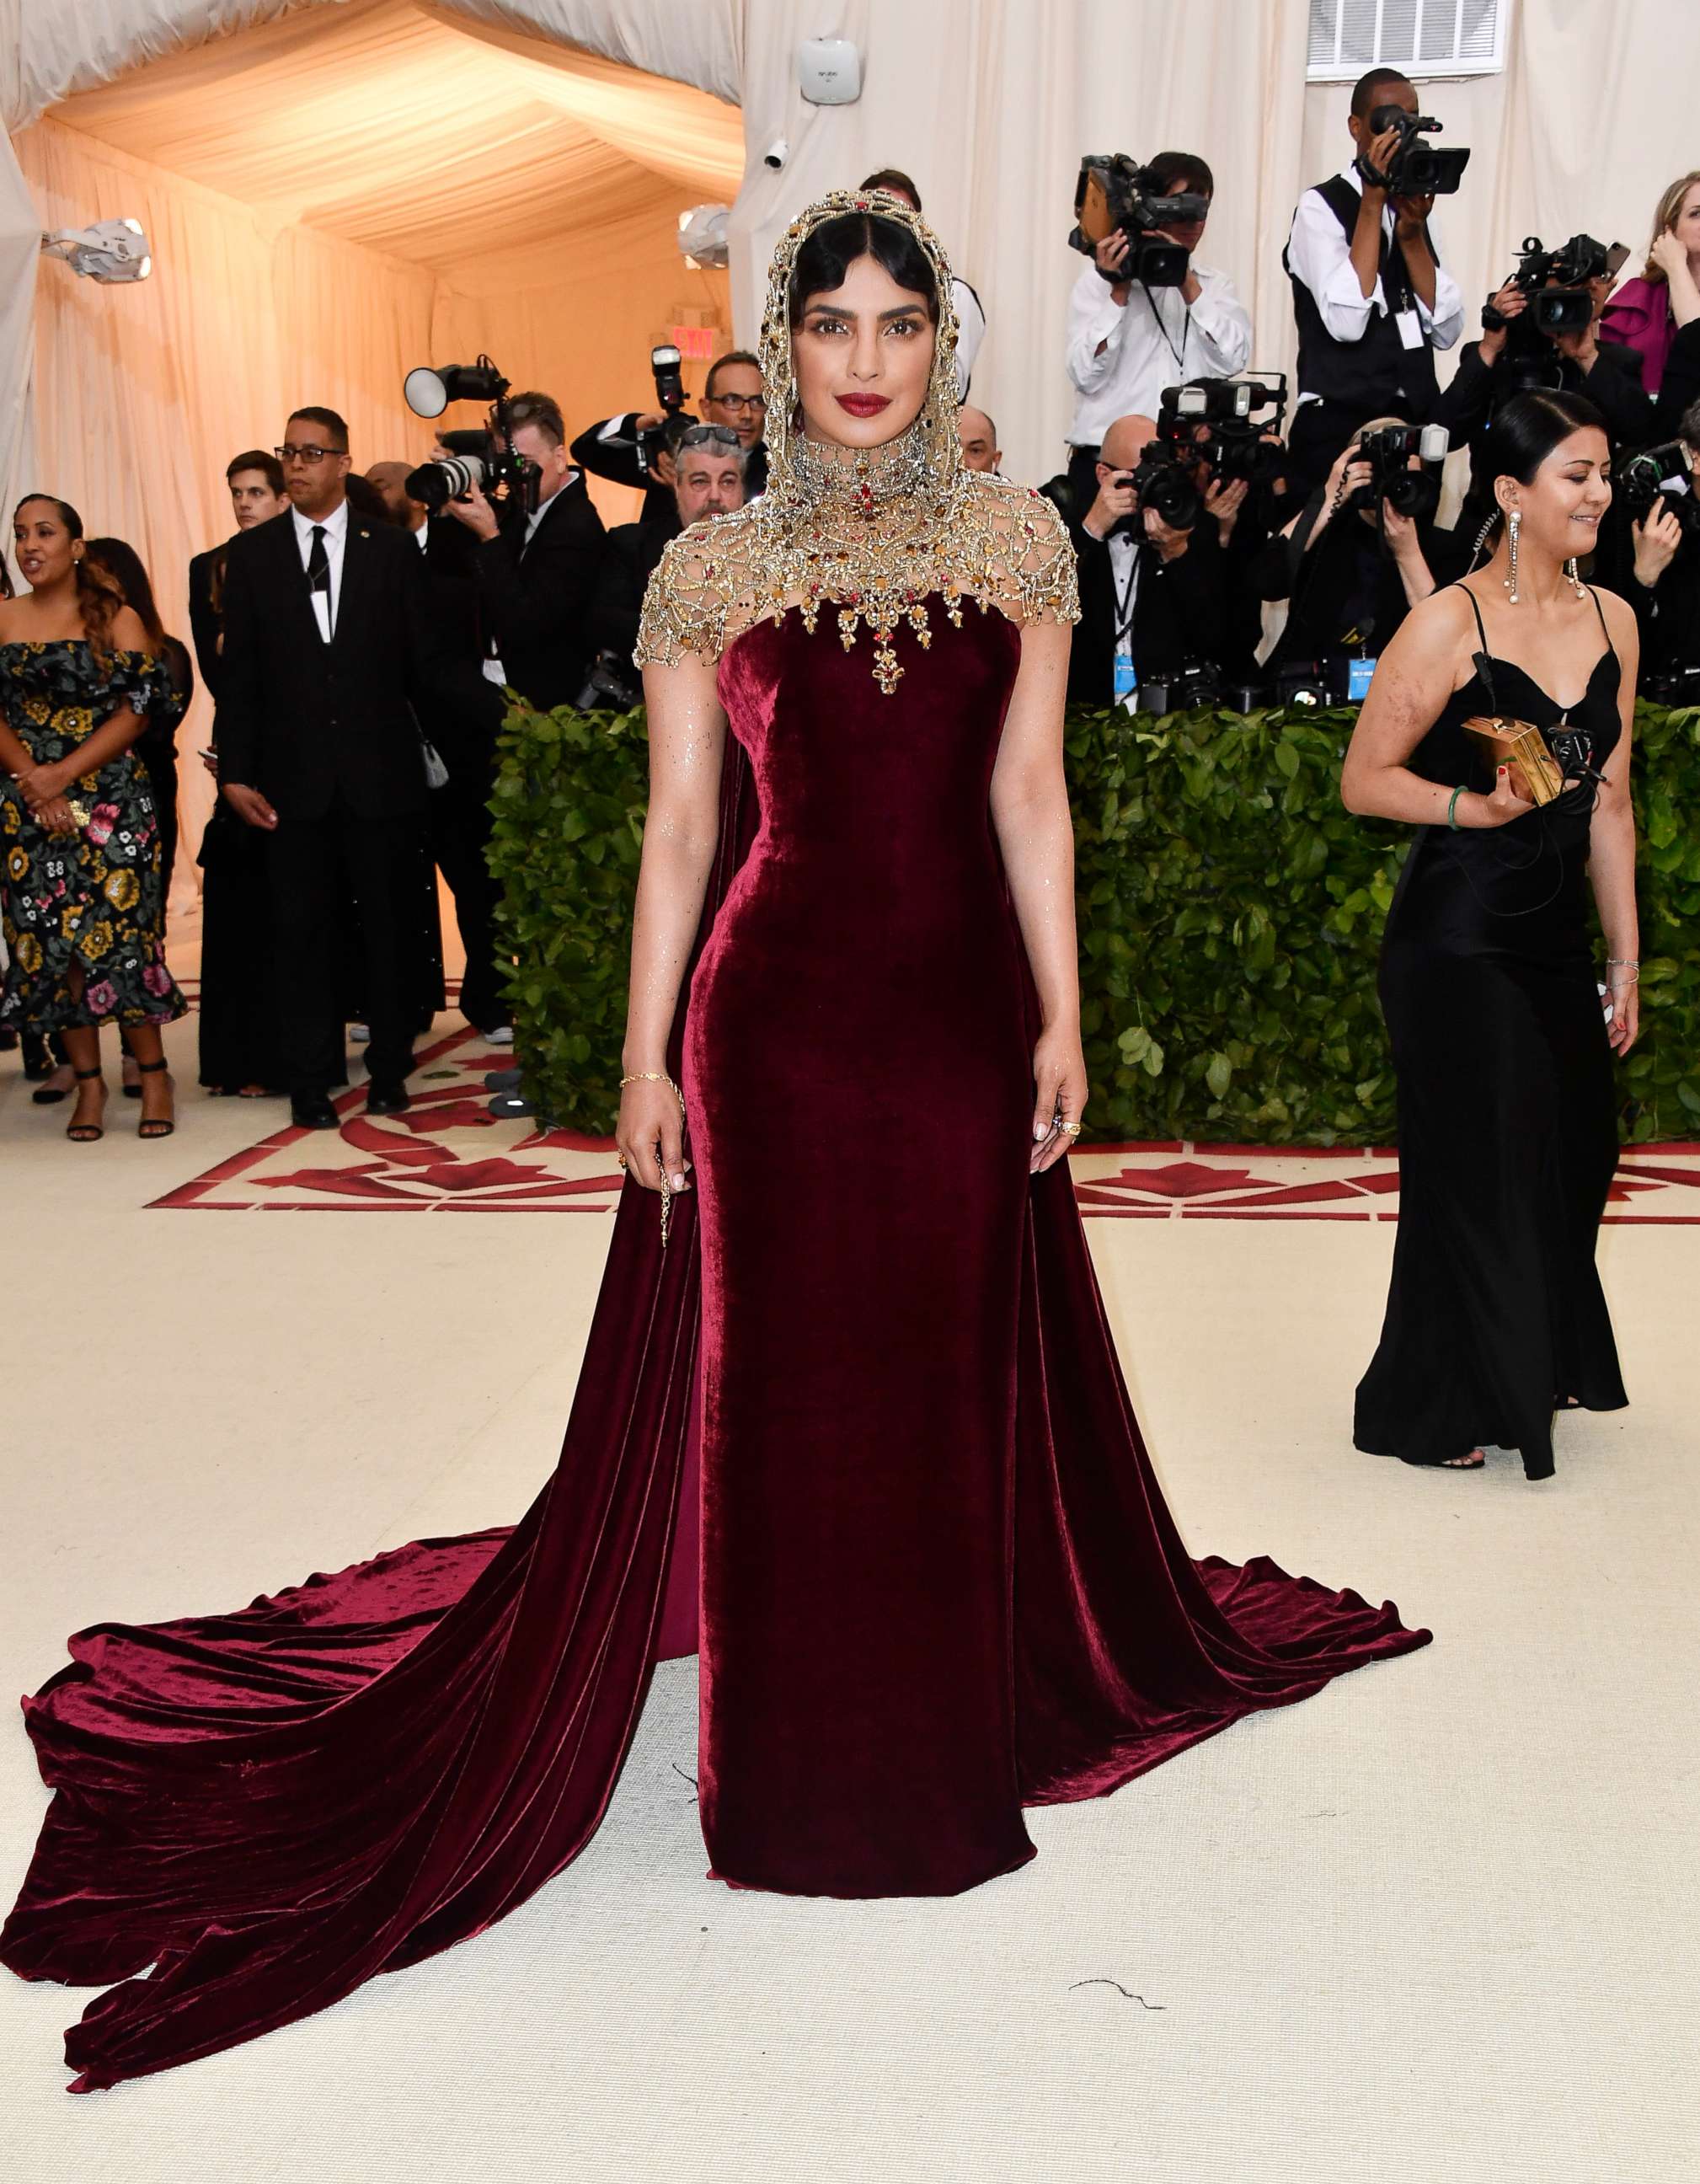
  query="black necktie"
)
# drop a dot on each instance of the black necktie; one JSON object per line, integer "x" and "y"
{"x": 319, "y": 569}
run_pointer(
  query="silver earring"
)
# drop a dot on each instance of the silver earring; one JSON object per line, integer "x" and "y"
{"x": 1576, "y": 584}
{"x": 1513, "y": 526}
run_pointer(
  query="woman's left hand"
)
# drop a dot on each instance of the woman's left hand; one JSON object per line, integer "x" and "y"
{"x": 42, "y": 784}
{"x": 1060, "y": 1089}
{"x": 1624, "y": 993}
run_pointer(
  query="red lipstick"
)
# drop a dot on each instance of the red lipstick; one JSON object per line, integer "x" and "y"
{"x": 864, "y": 406}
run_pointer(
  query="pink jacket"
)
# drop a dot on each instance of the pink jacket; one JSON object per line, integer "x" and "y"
{"x": 1639, "y": 316}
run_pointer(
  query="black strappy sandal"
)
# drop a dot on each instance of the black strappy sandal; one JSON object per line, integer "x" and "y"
{"x": 84, "y": 1133}
{"x": 154, "y": 1126}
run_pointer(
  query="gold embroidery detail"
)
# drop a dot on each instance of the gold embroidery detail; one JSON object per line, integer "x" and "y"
{"x": 873, "y": 531}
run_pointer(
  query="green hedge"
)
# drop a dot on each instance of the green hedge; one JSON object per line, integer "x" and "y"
{"x": 1229, "y": 913}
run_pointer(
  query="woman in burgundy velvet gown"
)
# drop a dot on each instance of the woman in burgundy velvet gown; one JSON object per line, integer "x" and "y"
{"x": 857, "y": 1398}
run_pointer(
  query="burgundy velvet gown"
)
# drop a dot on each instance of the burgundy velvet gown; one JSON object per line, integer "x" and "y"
{"x": 866, "y": 1408}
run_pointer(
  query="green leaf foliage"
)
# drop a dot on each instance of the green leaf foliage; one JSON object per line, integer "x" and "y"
{"x": 1231, "y": 910}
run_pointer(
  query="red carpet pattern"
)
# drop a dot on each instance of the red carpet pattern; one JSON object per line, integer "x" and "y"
{"x": 449, "y": 1154}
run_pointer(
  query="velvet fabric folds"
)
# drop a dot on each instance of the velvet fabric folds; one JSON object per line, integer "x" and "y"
{"x": 937, "y": 1578}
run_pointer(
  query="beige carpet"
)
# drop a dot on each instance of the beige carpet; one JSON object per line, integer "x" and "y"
{"x": 1438, "y": 1925}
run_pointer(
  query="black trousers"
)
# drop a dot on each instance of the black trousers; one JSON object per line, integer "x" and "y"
{"x": 460, "y": 825}
{"x": 314, "y": 868}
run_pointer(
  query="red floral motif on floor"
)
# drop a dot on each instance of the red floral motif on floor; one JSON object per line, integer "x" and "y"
{"x": 449, "y": 1154}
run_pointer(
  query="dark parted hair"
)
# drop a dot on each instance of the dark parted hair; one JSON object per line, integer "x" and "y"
{"x": 893, "y": 178}
{"x": 262, "y": 459}
{"x": 541, "y": 410}
{"x": 1364, "y": 99}
{"x": 1169, "y": 168}
{"x": 1524, "y": 433}
{"x": 828, "y": 253}
{"x": 98, "y": 597}
{"x": 731, "y": 356}
{"x": 327, "y": 422}
{"x": 125, "y": 566}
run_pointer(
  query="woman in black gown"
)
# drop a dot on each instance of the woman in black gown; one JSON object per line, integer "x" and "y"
{"x": 1507, "y": 1125}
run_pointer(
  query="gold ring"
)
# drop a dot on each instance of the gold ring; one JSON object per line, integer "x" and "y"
{"x": 620, "y": 1157}
{"x": 1074, "y": 1130}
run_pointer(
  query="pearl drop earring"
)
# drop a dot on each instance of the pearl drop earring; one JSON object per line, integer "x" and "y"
{"x": 1513, "y": 526}
{"x": 1575, "y": 575}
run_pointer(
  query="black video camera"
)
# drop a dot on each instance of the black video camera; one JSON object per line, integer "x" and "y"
{"x": 1114, "y": 195}
{"x": 1659, "y": 473}
{"x": 664, "y": 363}
{"x": 1416, "y": 169}
{"x": 1557, "y": 281}
{"x": 478, "y": 456}
{"x": 1162, "y": 481}
{"x": 1221, "y": 424}
{"x": 1391, "y": 480}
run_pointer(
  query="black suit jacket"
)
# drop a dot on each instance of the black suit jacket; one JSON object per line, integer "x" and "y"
{"x": 204, "y": 619}
{"x": 633, "y": 551}
{"x": 538, "y": 597}
{"x": 1180, "y": 613}
{"x": 303, "y": 721}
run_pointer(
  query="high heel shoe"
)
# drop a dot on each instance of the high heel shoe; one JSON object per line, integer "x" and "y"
{"x": 154, "y": 1126}
{"x": 86, "y": 1134}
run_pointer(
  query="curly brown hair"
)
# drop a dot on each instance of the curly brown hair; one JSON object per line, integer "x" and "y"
{"x": 99, "y": 597}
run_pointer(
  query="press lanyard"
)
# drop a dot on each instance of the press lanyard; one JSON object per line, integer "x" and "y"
{"x": 1179, "y": 354}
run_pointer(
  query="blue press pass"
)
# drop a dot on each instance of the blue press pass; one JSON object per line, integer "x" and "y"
{"x": 1357, "y": 675}
{"x": 1126, "y": 682}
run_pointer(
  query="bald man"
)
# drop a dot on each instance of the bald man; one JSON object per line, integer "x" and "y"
{"x": 978, "y": 438}
{"x": 1153, "y": 595}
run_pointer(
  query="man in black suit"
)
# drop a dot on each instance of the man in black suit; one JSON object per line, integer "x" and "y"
{"x": 537, "y": 573}
{"x": 459, "y": 815}
{"x": 256, "y": 484}
{"x": 708, "y": 466}
{"x": 1153, "y": 595}
{"x": 329, "y": 649}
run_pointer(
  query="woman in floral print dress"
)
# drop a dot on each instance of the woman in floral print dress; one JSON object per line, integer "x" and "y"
{"x": 81, "y": 883}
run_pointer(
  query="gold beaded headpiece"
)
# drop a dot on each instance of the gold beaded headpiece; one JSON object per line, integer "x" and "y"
{"x": 934, "y": 452}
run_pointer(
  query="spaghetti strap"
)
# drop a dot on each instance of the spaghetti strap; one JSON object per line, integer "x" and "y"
{"x": 1458, "y": 584}
{"x": 1605, "y": 631}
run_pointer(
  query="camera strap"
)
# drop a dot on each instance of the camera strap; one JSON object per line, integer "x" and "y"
{"x": 1179, "y": 354}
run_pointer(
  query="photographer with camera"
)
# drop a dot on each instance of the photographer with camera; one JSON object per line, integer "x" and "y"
{"x": 630, "y": 449}
{"x": 1153, "y": 607}
{"x": 1541, "y": 329}
{"x": 707, "y": 464}
{"x": 537, "y": 570}
{"x": 1143, "y": 314}
{"x": 1652, "y": 556}
{"x": 1372, "y": 301}
{"x": 1358, "y": 557}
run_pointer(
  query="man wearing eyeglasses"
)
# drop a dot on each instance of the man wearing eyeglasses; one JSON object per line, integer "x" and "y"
{"x": 330, "y": 654}
{"x": 733, "y": 397}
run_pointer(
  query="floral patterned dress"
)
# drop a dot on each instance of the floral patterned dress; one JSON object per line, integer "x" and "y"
{"x": 93, "y": 900}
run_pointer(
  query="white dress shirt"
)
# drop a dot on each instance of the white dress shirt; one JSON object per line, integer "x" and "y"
{"x": 335, "y": 528}
{"x": 1121, "y": 356}
{"x": 1319, "y": 253}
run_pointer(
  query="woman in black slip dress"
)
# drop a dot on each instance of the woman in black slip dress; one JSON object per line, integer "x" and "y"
{"x": 1508, "y": 1111}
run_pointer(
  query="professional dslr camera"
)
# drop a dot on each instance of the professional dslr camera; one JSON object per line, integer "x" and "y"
{"x": 1556, "y": 284}
{"x": 1416, "y": 169}
{"x": 1162, "y": 481}
{"x": 1235, "y": 445}
{"x": 479, "y": 455}
{"x": 1391, "y": 481}
{"x": 1660, "y": 472}
{"x": 664, "y": 363}
{"x": 1115, "y": 195}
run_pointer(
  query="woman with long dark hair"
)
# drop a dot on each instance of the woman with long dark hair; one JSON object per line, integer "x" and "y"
{"x": 864, "y": 1411}
{"x": 1508, "y": 1111}
{"x": 84, "y": 908}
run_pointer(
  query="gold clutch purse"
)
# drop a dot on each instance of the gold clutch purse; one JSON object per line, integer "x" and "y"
{"x": 1520, "y": 746}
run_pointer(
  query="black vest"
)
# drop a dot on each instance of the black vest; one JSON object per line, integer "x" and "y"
{"x": 1378, "y": 375}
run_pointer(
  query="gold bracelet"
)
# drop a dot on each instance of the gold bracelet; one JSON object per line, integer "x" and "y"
{"x": 654, "y": 1077}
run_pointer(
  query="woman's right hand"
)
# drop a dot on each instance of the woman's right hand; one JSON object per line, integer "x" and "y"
{"x": 55, "y": 813}
{"x": 651, "y": 1135}
{"x": 1499, "y": 808}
